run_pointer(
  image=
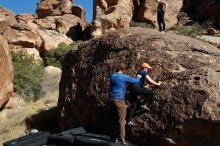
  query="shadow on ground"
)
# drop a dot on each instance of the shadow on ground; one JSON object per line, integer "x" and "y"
{"x": 44, "y": 121}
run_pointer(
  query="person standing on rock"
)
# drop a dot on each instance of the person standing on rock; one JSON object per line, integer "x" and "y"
{"x": 117, "y": 104}
{"x": 141, "y": 89}
{"x": 161, "y": 9}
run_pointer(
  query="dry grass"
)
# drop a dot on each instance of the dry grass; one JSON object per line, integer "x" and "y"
{"x": 14, "y": 121}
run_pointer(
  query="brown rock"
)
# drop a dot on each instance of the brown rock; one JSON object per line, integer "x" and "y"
{"x": 26, "y": 39}
{"x": 188, "y": 97}
{"x": 10, "y": 34}
{"x": 67, "y": 6}
{"x": 7, "y": 18}
{"x": 45, "y": 24}
{"x": 211, "y": 31}
{"x": 29, "y": 31}
{"x": 23, "y": 41}
{"x": 65, "y": 22}
{"x": 20, "y": 26}
{"x": 33, "y": 35}
{"x": 51, "y": 39}
{"x": 4, "y": 26}
{"x": 79, "y": 12}
{"x": 45, "y": 9}
{"x": 5, "y": 12}
{"x": 7, "y": 15}
{"x": 6, "y": 87}
{"x": 24, "y": 18}
{"x": 54, "y": 7}
{"x": 110, "y": 15}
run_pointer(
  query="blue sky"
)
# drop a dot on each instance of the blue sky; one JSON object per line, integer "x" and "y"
{"x": 29, "y": 6}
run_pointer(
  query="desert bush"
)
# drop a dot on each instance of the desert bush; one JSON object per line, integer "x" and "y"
{"x": 191, "y": 30}
{"x": 27, "y": 75}
{"x": 141, "y": 24}
{"x": 54, "y": 57}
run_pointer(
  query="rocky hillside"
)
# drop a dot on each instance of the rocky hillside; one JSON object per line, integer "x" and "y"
{"x": 55, "y": 22}
{"x": 111, "y": 15}
{"x": 187, "y": 102}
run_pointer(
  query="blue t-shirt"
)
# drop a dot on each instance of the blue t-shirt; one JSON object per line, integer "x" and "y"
{"x": 118, "y": 85}
{"x": 143, "y": 74}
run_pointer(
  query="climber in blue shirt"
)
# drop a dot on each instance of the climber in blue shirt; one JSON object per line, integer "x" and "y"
{"x": 117, "y": 104}
{"x": 118, "y": 85}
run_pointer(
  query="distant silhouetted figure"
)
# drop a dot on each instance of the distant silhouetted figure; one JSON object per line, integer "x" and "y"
{"x": 161, "y": 9}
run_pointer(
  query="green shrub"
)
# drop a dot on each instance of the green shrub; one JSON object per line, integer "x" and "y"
{"x": 141, "y": 24}
{"x": 192, "y": 31}
{"x": 54, "y": 57}
{"x": 27, "y": 75}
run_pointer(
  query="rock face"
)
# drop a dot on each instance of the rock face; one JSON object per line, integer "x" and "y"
{"x": 45, "y": 30}
{"x": 80, "y": 12}
{"x": 185, "y": 108}
{"x": 146, "y": 11}
{"x": 54, "y": 7}
{"x": 36, "y": 34}
{"x": 202, "y": 8}
{"x": 110, "y": 15}
{"x": 6, "y": 87}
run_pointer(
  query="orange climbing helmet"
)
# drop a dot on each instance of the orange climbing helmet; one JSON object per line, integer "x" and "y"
{"x": 145, "y": 65}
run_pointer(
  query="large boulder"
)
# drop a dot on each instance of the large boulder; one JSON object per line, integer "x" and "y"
{"x": 6, "y": 87}
{"x": 54, "y": 7}
{"x": 51, "y": 79}
{"x": 185, "y": 109}
{"x": 110, "y": 15}
{"x": 146, "y": 11}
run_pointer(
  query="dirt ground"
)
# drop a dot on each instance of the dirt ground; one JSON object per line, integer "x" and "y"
{"x": 16, "y": 121}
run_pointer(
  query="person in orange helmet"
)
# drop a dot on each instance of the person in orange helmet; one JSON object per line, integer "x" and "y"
{"x": 142, "y": 89}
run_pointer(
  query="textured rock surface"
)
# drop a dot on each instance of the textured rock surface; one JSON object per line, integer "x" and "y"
{"x": 186, "y": 107}
{"x": 51, "y": 79}
{"x": 146, "y": 11}
{"x": 6, "y": 72}
{"x": 54, "y": 7}
{"x": 45, "y": 33}
{"x": 110, "y": 15}
{"x": 80, "y": 12}
{"x": 34, "y": 34}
